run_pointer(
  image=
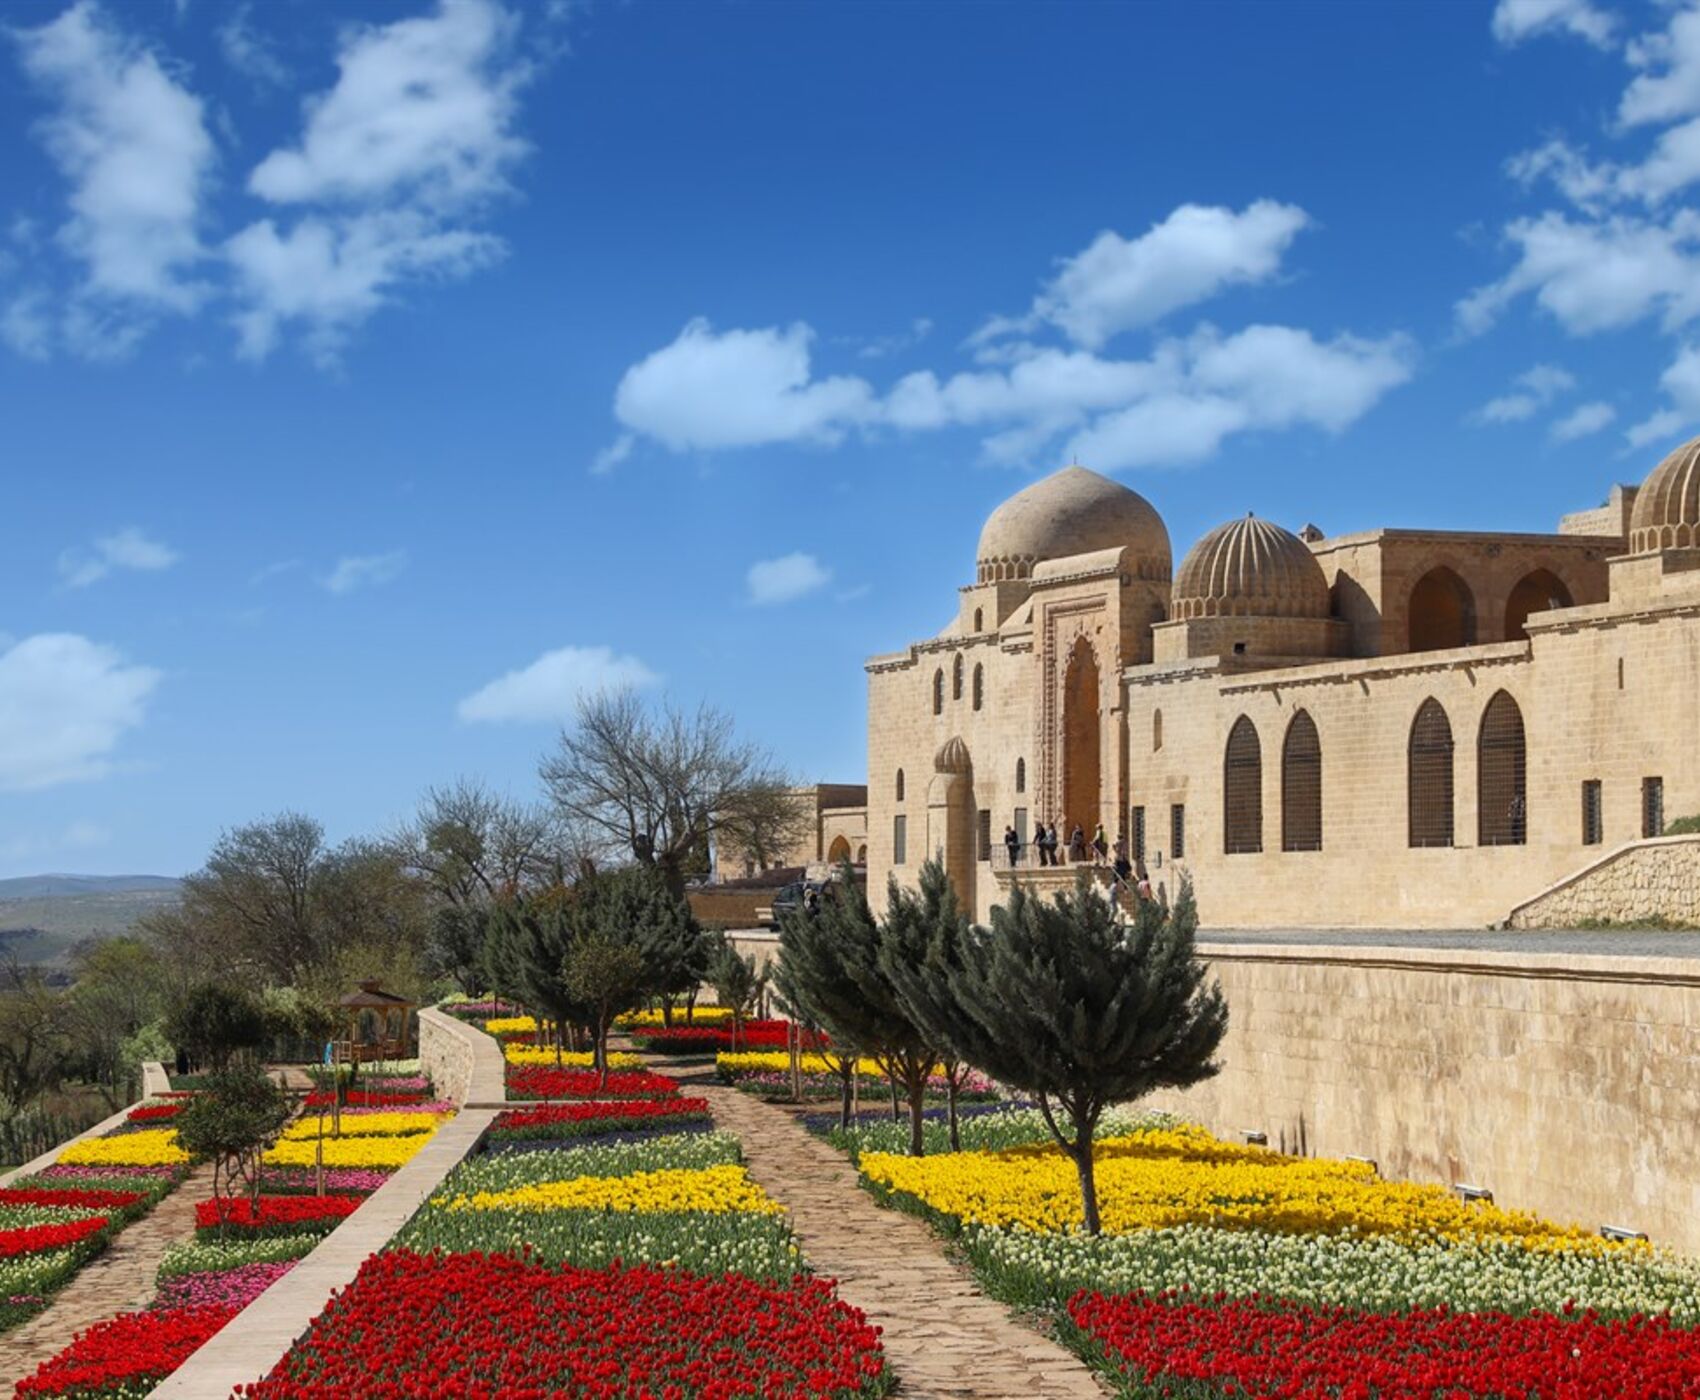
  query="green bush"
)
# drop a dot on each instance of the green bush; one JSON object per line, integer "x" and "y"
{"x": 214, "y": 1023}
{"x": 1683, "y": 826}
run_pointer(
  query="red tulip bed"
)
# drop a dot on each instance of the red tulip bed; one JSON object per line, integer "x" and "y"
{"x": 1255, "y": 1348}
{"x": 551, "y": 1122}
{"x": 273, "y": 1215}
{"x": 546, "y": 1082}
{"x": 156, "y": 1112}
{"x": 712, "y": 1039}
{"x": 126, "y": 1355}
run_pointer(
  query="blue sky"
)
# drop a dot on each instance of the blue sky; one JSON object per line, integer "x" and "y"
{"x": 374, "y": 377}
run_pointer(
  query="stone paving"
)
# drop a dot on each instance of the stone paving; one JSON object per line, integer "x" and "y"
{"x": 945, "y": 1338}
{"x": 120, "y": 1280}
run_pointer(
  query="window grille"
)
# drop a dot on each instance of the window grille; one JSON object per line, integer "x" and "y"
{"x": 1652, "y": 806}
{"x": 1502, "y": 797}
{"x": 979, "y": 686}
{"x": 1242, "y": 789}
{"x": 1593, "y": 816}
{"x": 938, "y": 692}
{"x": 956, "y": 679}
{"x": 1430, "y": 777}
{"x": 900, "y": 785}
{"x": 1301, "y": 786}
{"x": 1137, "y": 824}
{"x": 1177, "y": 831}
{"x": 899, "y": 840}
{"x": 1021, "y": 775}
{"x": 985, "y": 834}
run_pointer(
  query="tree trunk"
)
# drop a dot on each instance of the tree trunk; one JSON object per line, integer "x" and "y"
{"x": 950, "y": 1108}
{"x": 896, "y": 1110}
{"x": 602, "y": 1052}
{"x": 847, "y": 1072}
{"x": 1083, "y": 1166}
{"x": 667, "y": 1011}
{"x": 917, "y": 1124}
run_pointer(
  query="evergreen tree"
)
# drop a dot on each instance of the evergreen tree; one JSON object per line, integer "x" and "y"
{"x": 920, "y": 957}
{"x": 816, "y": 987}
{"x": 526, "y": 952}
{"x": 605, "y": 973}
{"x": 1059, "y": 1000}
{"x": 737, "y": 985}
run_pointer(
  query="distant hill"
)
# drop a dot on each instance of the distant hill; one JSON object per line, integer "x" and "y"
{"x": 43, "y": 917}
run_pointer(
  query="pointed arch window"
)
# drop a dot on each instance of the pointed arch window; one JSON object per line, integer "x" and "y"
{"x": 938, "y": 691}
{"x": 1429, "y": 776}
{"x": 1021, "y": 775}
{"x": 900, "y": 785}
{"x": 1156, "y": 730}
{"x": 956, "y": 679}
{"x": 979, "y": 686}
{"x": 1502, "y": 797}
{"x": 1301, "y": 786}
{"x": 1242, "y": 790}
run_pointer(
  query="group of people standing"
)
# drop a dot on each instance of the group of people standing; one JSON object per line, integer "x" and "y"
{"x": 1047, "y": 841}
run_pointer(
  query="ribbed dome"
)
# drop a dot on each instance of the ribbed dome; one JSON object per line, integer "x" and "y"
{"x": 953, "y": 757}
{"x": 1074, "y": 511}
{"x": 1667, "y": 510}
{"x": 1250, "y": 568}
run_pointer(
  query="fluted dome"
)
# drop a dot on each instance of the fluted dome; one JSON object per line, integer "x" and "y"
{"x": 1667, "y": 509}
{"x": 952, "y": 757}
{"x": 1249, "y": 568}
{"x": 1073, "y": 511}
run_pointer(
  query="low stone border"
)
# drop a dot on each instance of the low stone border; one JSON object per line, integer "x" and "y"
{"x": 463, "y": 1061}
{"x": 154, "y": 1081}
{"x": 257, "y": 1338}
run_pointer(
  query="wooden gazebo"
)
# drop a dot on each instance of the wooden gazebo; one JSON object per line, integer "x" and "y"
{"x": 377, "y": 1024}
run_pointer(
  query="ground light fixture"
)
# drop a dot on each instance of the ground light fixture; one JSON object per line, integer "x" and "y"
{"x": 1369, "y": 1162}
{"x": 1472, "y": 1193}
{"x": 1255, "y": 1136}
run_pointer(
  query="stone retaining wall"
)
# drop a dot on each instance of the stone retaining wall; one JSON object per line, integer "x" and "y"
{"x": 465, "y": 1065}
{"x": 1565, "y": 1084}
{"x": 1655, "y": 879}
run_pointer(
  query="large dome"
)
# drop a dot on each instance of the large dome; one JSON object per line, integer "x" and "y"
{"x": 1667, "y": 509}
{"x": 1250, "y": 568}
{"x": 1073, "y": 511}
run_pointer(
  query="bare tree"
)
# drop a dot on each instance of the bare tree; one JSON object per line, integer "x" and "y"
{"x": 474, "y": 845}
{"x": 662, "y": 784}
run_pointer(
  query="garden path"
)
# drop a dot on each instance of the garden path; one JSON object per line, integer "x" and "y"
{"x": 119, "y": 1280}
{"x": 946, "y": 1339}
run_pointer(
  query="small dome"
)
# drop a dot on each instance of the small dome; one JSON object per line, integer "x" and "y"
{"x": 953, "y": 757}
{"x": 1250, "y": 568}
{"x": 1667, "y": 508}
{"x": 1073, "y": 511}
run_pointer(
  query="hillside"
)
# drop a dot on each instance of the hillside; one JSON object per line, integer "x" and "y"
{"x": 42, "y": 917}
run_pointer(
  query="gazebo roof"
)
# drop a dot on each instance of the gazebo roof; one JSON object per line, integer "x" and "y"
{"x": 372, "y": 996}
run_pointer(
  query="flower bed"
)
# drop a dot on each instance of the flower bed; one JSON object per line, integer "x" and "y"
{"x": 384, "y": 1123}
{"x": 547, "y": 1082}
{"x": 339, "y": 1181}
{"x": 583, "y": 1120}
{"x": 273, "y": 1215}
{"x": 362, "y": 1098}
{"x": 710, "y": 1039}
{"x": 146, "y": 1147}
{"x": 648, "y": 1018}
{"x": 126, "y": 1355}
{"x": 156, "y": 1112}
{"x": 548, "y": 1057}
{"x": 422, "y": 1325}
{"x": 1233, "y": 1270}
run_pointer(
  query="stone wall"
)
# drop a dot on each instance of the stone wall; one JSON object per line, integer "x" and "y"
{"x": 1569, "y": 1085}
{"x": 1637, "y": 883}
{"x": 465, "y": 1065}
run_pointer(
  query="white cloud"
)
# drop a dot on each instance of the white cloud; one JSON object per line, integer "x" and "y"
{"x": 1117, "y": 284}
{"x": 26, "y": 325}
{"x": 612, "y": 455}
{"x": 76, "y": 836}
{"x": 1583, "y": 421}
{"x": 354, "y": 571}
{"x": 65, "y": 702}
{"x": 1535, "y": 388}
{"x": 786, "y": 579}
{"x": 250, "y": 52}
{"x": 737, "y": 388}
{"x": 1681, "y": 384}
{"x": 414, "y": 138}
{"x": 134, "y": 146}
{"x": 1516, "y": 20}
{"x": 551, "y": 686}
{"x": 1667, "y": 85}
{"x": 881, "y": 346}
{"x": 1665, "y": 423}
{"x": 129, "y": 548}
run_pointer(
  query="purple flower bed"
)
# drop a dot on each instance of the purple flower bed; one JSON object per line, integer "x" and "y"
{"x": 482, "y": 1010}
{"x": 823, "y": 1123}
{"x": 395, "y": 1083}
{"x": 424, "y": 1106}
{"x": 67, "y": 1173}
{"x": 224, "y": 1288}
{"x": 303, "y": 1181}
{"x": 598, "y": 1140}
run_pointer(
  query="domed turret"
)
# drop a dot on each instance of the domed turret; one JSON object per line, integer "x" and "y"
{"x": 1250, "y": 568}
{"x": 1667, "y": 509}
{"x": 1073, "y": 511}
{"x": 953, "y": 757}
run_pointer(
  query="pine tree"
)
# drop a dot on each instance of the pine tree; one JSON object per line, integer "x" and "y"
{"x": 526, "y": 954}
{"x": 737, "y": 985}
{"x": 1059, "y": 1000}
{"x": 815, "y": 984}
{"x": 920, "y": 957}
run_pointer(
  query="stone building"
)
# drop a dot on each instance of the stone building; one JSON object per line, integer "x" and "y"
{"x": 832, "y": 827}
{"x": 1394, "y": 728}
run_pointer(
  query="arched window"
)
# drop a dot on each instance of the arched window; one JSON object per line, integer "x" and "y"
{"x": 956, "y": 678}
{"x": 840, "y": 851}
{"x": 979, "y": 686}
{"x": 900, "y": 785}
{"x": 938, "y": 691}
{"x": 1156, "y": 730}
{"x": 1301, "y": 786}
{"x": 1021, "y": 775}
{"x": 1430, "y": 776}
{"x": 1442, "y": 612}
{"x": 979, "y": 623}
{"x": 1502, "y": 814}
{"x": 1534, "y": 593}
{"x": 1242, "y": 790}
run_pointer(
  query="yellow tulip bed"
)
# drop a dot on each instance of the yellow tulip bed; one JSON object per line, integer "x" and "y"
{"x": 372, "y": 1152}
{"x": 713, "y": 1189}
{"x": 741, "y": 1064}
{"x": 368, "y": 1124}
{"x": 570, "y": 1059}
{"x": 151, "y": 1147}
